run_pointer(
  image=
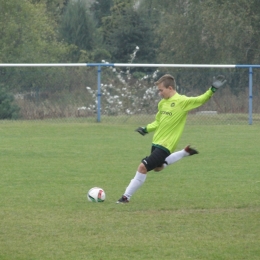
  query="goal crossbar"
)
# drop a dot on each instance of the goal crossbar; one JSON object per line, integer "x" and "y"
{"x": 107, "y": 64}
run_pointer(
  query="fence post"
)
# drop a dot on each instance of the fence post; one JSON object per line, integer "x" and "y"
{"x": 99, "y": 94}
{"x": 250, "y": 108}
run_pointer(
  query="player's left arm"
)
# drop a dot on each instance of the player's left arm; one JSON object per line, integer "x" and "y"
{"x": 194, "y": 102}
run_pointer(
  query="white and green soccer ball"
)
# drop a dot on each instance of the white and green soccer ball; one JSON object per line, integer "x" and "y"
{"x": 96, "y": 194}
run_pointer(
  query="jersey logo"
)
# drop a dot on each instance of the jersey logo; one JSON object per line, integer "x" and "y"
{"x": 166, "y": 113}
{"x": 172, "y": 104}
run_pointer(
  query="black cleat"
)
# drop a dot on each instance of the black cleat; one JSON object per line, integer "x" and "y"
{"x": 124, "y": 199}
{"x": 190, "y": 150}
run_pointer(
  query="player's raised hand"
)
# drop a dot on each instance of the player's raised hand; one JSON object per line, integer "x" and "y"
{"x": 218, "y": 82}
{"x": 141, "y": 130}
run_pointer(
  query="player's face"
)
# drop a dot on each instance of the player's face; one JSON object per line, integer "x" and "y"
{"x": 165, "y": 92}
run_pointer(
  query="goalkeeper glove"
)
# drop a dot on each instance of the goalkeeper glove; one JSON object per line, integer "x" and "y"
{"x": 218, "y": 82}
{"x": 141, "y": 130}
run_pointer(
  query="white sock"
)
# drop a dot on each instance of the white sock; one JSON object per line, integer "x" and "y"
{"x": 135, "y": 184}
{"x": 174, "y": 157}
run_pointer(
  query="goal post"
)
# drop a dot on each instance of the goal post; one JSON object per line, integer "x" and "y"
{"x": 107, "y": 64}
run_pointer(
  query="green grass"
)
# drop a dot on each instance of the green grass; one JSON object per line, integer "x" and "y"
{"x": 203, "y": 207}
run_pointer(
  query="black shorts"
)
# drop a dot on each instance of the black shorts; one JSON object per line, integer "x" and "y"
{"x": 156, "y": 158}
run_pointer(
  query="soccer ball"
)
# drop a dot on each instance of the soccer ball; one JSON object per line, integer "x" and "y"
{"x": 96, "y": 195}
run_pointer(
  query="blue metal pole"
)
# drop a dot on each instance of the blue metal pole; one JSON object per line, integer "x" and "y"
{"x": 99, "y": 94}
{"x": 250, "y": 109}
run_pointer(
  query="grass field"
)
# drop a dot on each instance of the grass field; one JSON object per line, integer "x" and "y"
{"x": 203, "y": 207}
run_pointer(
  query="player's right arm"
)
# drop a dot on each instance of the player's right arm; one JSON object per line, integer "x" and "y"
{"x": 150, "y": 127}
{"x": 153, "y": 126}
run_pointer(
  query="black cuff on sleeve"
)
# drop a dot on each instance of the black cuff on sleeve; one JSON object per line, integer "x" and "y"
{"x": 213, "y": 89}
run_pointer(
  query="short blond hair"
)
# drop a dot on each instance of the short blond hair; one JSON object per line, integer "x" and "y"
{"x": 167, "y": 80}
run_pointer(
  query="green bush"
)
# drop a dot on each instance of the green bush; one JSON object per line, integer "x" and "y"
{"x": 8, "y": 110}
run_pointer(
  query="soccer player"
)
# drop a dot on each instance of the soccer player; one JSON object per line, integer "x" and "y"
{"x": 168, "y": 127}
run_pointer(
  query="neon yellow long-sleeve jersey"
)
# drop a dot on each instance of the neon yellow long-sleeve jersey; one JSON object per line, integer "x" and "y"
{"x": 171, "y": 118}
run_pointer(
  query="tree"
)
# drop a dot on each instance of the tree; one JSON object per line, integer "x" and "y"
{"x": 28, "y": 35}
{"x": 8, "y": 110}
{"x": 54, "y": 7}
{"x": 126, "y": 29}
{"x": 101, "y": 9}
{"x": 25, "y": 37}
{"x": 232, "y": 33}
{"x": 110, "y": 22}
{"x": 210, "y": 31}
{"x": 78, "y": 28}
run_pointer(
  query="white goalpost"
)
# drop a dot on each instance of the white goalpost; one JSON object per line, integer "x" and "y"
{"x": 107, "y": 64}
